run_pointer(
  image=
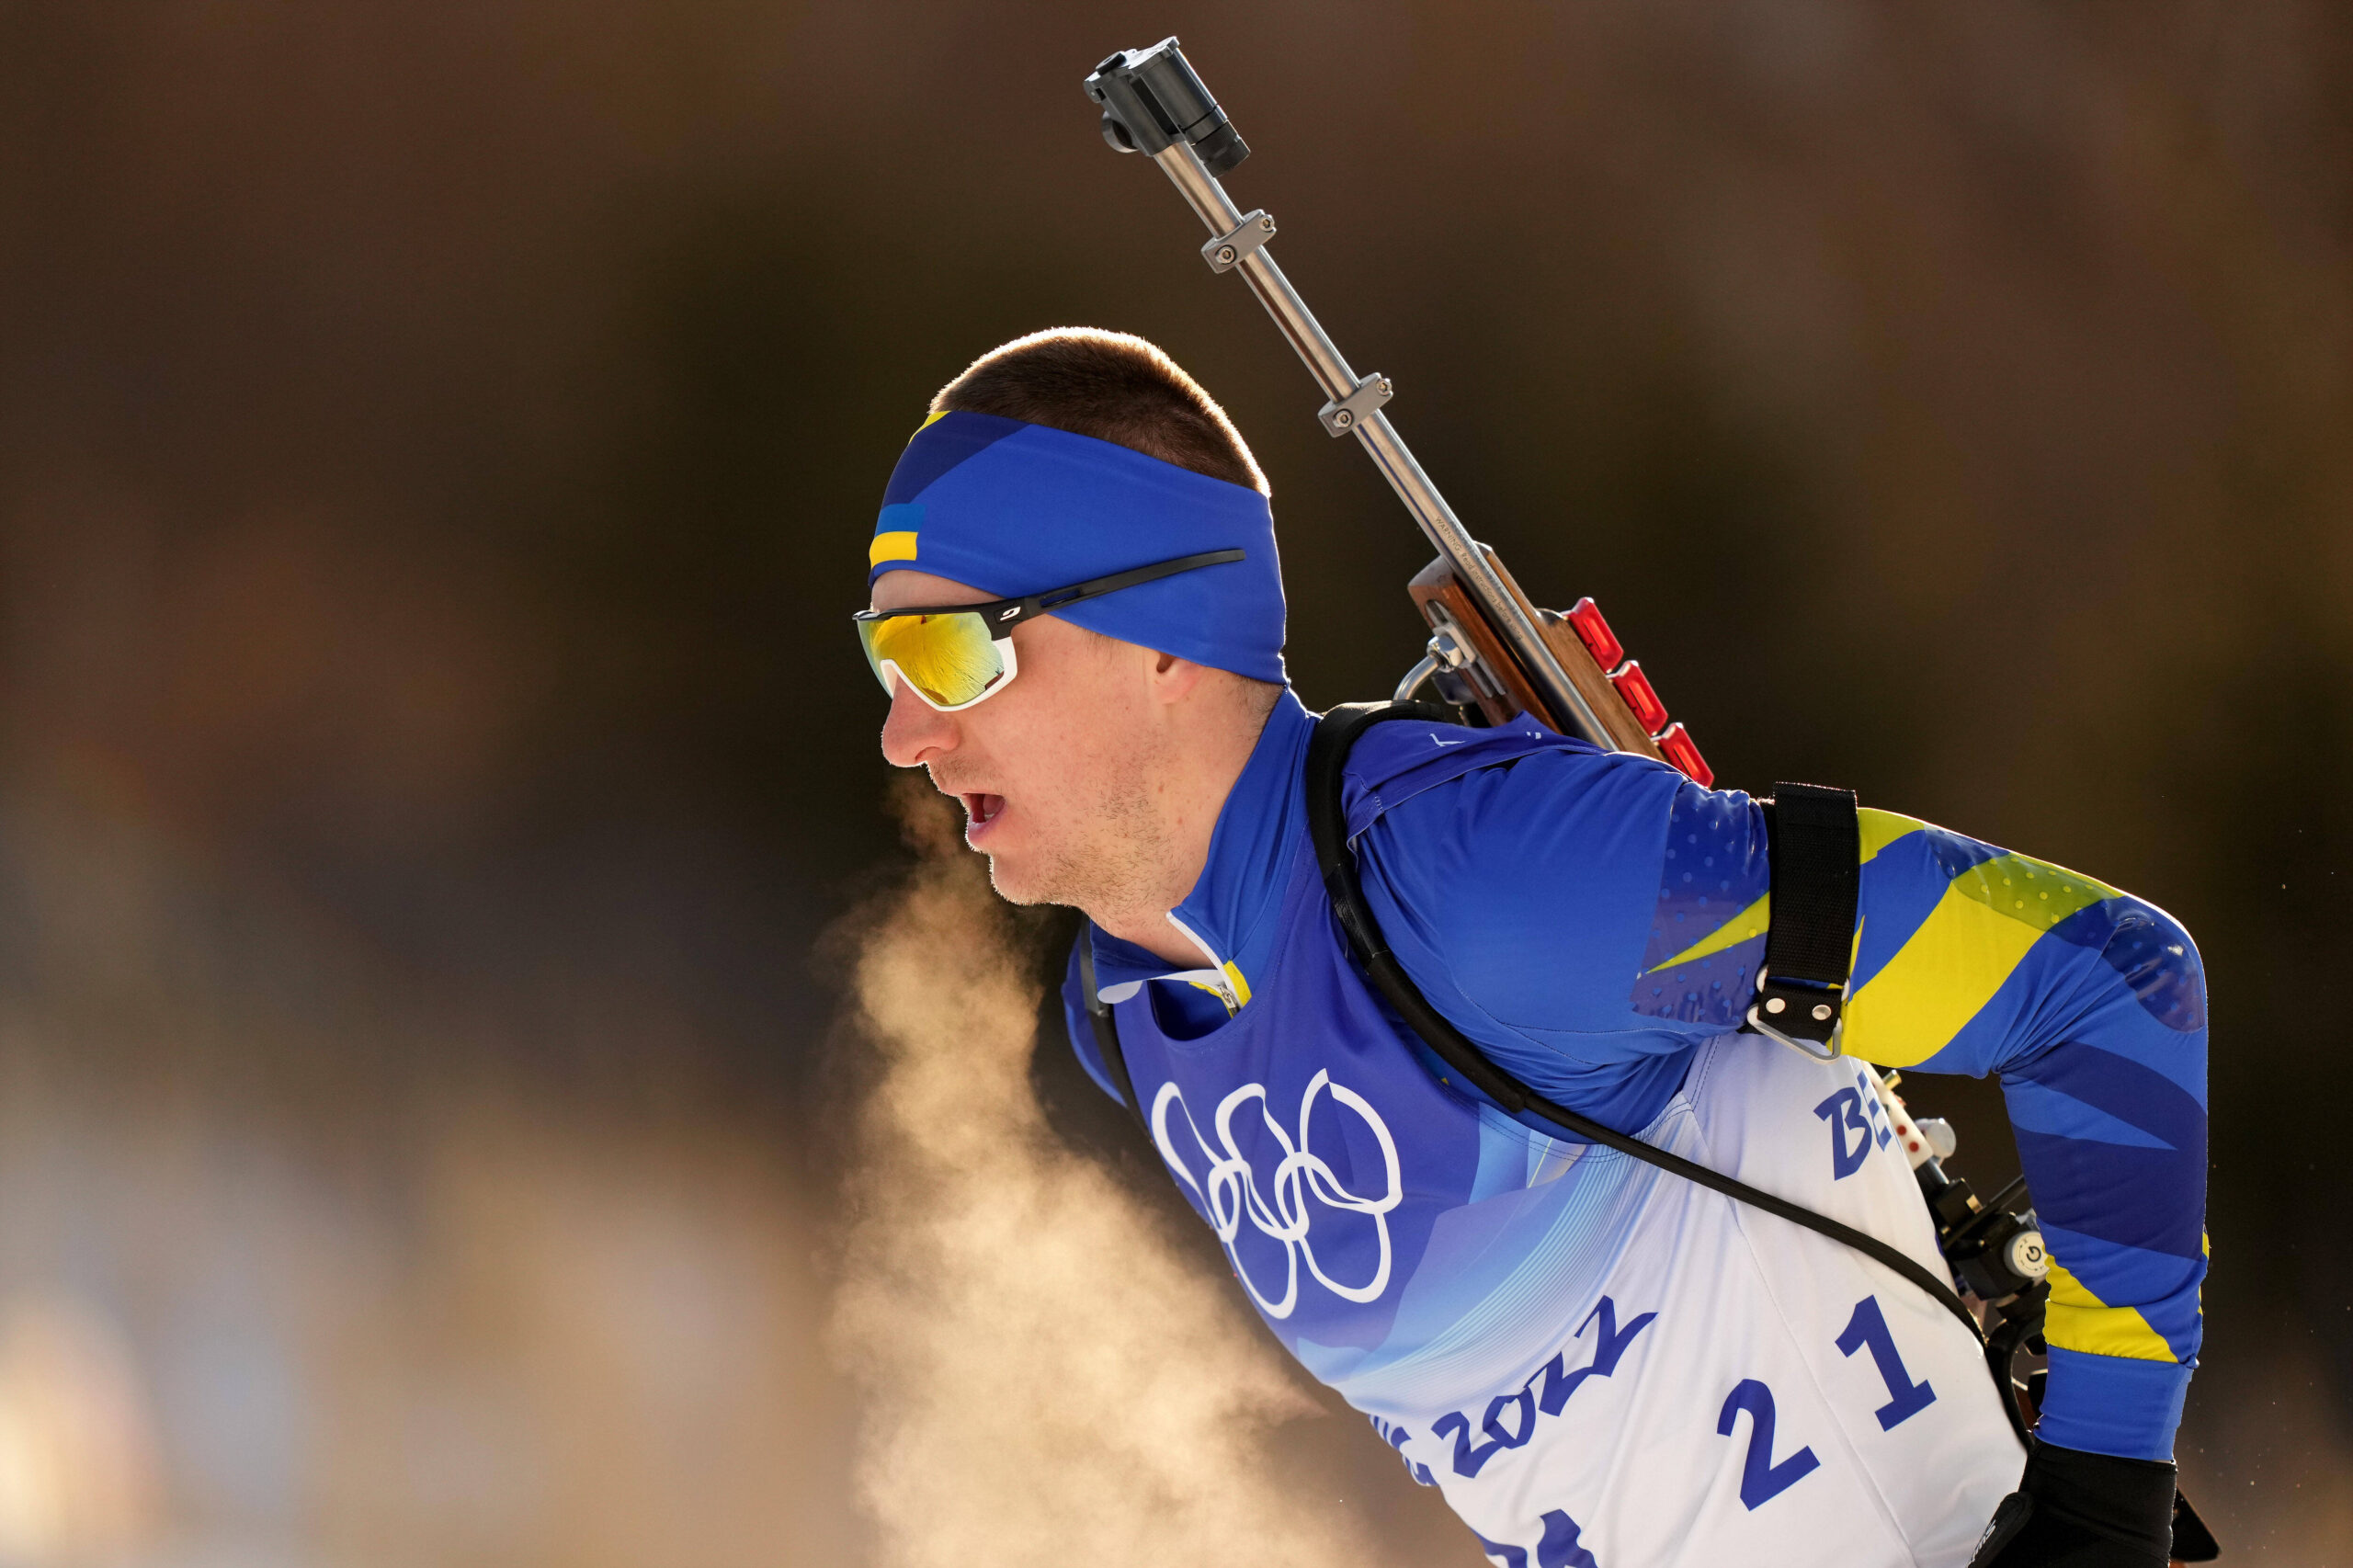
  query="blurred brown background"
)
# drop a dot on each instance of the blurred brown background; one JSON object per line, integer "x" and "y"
{"x": 436, "y": 444}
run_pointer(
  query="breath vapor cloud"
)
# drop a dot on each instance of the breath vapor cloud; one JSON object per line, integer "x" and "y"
{"x": 1047, "y": 1379}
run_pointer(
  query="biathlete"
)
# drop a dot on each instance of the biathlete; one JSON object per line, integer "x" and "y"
{"x": 1077, "y": 611}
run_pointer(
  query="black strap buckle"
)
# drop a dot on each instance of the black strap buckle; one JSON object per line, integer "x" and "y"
{"x": 1816, "y": 845}
{"x": 1809, "y": 1019}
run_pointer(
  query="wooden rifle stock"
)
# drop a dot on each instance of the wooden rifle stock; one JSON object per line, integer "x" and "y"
{"x": 1506, "y": 690}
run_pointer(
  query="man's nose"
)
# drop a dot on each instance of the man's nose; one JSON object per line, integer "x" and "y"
{"x": 915, "y": 732}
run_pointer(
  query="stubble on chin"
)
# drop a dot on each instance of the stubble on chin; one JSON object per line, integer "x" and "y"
{"x": 1101, "y": 857}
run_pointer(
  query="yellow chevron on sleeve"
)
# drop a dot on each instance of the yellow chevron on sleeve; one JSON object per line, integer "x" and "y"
{"x": 2081, "y": 1321}
{"x": 1749, "y": 922}
{"x": 899, "y": 545}
{"x": 1936, "y": 984}
{"x": 1878, "y": 829}
{"x": 1988, "y": 919}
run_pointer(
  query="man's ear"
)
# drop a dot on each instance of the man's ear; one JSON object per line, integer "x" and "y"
{"x": 1173, "y": 680}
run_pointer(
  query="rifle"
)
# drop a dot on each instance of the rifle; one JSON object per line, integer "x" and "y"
{"x": 1491, "y": 652}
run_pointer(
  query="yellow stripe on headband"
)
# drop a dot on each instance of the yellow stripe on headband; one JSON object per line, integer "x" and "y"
{"x": 899, "y": 546}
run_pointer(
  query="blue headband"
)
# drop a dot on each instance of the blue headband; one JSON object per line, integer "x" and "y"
{"x": 1012, "y": 508}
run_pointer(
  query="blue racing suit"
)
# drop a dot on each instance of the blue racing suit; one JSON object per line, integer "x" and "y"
{"x": 1591, "y": 920}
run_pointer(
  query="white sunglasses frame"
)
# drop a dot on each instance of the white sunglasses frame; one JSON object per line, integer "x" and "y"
{"x": 892, "y": 676}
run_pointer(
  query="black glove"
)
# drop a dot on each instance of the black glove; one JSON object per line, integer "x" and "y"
{"x": 2077, "y": 1510}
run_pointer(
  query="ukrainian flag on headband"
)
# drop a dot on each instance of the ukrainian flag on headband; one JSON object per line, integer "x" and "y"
{"x": 1013, "y": 508}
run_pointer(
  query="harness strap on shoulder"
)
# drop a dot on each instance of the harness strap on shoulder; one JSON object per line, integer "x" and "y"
{"x": 1809, "y": 946}
{"x": 1327, "y": 754}
{"x": 1107, "y": 1029}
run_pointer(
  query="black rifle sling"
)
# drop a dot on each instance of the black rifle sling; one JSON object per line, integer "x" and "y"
{"x": 1327, "y": 753}
{"x": 1107, "y": 1030}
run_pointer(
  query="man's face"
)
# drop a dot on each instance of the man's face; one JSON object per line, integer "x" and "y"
{"x": 1055, "y": 771}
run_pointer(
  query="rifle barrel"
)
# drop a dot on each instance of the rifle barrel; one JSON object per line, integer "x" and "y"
{"x": 1569, "y": 709}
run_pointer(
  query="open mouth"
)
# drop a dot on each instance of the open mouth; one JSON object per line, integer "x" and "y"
{"x": 980, "y": 810}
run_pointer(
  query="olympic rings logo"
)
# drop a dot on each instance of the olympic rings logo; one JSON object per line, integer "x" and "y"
{"x": 1230, "y": 1192}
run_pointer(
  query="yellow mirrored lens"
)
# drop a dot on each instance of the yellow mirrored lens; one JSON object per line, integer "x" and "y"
{"x": 948, "y": 658}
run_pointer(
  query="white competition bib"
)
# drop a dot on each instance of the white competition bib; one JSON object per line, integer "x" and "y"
{"x": 1733, "y": 1389}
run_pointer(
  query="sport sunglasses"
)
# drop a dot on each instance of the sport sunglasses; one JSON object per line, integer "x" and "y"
{"x": 955, "y": 655}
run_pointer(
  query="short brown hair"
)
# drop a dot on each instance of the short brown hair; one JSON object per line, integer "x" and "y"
{"x": 1110, "y": 385}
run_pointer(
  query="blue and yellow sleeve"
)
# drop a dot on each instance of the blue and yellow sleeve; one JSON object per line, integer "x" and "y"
{"x": 2091, "y": 1007}
{"x": 2088, "y": 1004}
